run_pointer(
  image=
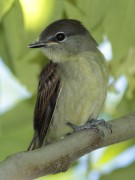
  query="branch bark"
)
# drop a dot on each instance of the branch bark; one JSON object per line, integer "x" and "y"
{"x": 59, "y": 156}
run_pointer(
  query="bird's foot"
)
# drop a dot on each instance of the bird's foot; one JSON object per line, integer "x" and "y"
{"x": 91, "y": 124}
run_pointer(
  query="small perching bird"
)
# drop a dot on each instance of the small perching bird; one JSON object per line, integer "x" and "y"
{"x": 72, "y": 86}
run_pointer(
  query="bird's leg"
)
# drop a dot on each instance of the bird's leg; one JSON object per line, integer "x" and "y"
{"x": 91, "y": 124}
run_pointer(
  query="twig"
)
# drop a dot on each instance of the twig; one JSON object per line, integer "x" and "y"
{"x": 59, "y": 156}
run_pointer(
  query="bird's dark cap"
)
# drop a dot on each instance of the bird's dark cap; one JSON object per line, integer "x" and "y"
{"x": 68, "y": 26}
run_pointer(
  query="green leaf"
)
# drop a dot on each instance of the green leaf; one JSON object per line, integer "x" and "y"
{"x": 120, "y": 27}
{"x": 112, "y": 152}
{"x": 16, "y": 129}
{"x": 15, "y": 53}
{"x": 122, "y": 173}
{"x": 126, "y": 106}
{"x": 69, "y": 175}
{"x": 13, "y": 35}
{"x": 5, "y": 7}
{"x": 127, "y": 67}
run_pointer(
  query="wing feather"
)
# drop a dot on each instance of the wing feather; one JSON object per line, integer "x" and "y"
{"x": 48, "y": 90}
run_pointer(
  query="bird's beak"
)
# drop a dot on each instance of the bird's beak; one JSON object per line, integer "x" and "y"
{"x": 37, "y": 44}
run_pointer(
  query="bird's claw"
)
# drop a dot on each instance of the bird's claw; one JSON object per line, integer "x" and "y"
{"x": 91, "y": 124}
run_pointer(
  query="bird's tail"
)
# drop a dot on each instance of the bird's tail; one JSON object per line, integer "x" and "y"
{"x": 34, "y": 143}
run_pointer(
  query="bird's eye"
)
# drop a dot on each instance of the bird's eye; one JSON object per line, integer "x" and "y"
{"x": 60, "y": 36}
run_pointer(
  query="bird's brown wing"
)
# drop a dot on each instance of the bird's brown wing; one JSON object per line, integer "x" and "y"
{"x": 48, "y": 90}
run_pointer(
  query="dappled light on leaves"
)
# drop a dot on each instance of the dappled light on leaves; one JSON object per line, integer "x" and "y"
{"x": 40, "y": 11}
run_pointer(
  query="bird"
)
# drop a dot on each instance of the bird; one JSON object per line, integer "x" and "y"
{"x": 72, "y": 85}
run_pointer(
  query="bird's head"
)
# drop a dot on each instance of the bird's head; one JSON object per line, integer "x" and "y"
{"x": 64, "y": 39}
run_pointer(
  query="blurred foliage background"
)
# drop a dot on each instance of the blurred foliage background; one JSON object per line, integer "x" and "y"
{"x": 21, "y": 22}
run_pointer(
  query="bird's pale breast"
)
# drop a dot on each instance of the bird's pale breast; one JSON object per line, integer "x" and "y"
{"x": 83, "y": 91}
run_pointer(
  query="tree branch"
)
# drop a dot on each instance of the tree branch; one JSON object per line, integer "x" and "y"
{"x": 59, "y": 156}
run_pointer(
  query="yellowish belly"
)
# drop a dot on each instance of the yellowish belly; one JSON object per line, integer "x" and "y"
{"x": 78, "y": 101}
